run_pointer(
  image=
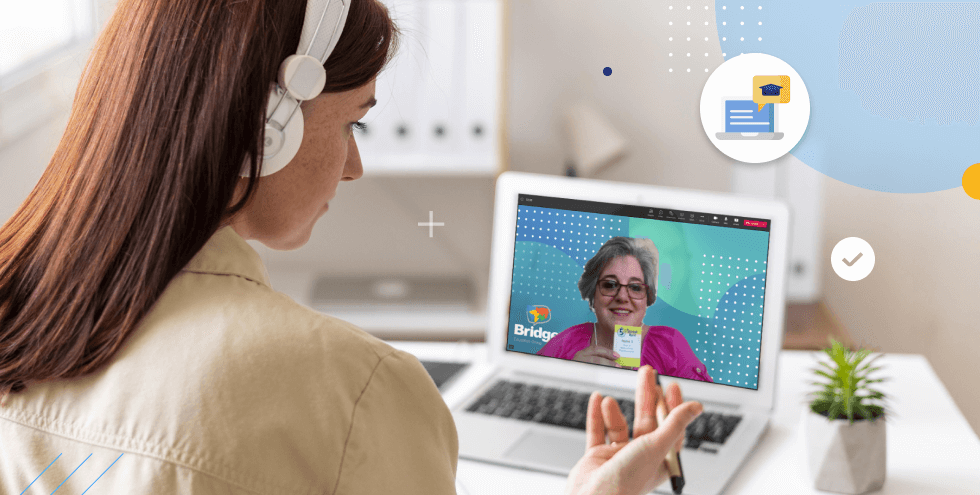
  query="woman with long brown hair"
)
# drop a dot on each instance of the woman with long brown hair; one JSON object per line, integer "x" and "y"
{"x": 142, "y": 348}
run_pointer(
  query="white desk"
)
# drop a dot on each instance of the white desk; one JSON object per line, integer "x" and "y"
{"x": 931, "y": 447}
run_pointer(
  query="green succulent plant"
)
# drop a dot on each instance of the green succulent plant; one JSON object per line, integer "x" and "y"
{"x": 847, "y": 392}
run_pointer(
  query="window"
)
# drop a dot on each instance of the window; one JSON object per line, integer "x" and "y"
{"x": 43, "y": 46}
{"x": 35, "y": 33}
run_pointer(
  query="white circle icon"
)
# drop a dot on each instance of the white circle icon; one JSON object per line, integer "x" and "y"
{"x": 755, "y": 108}
{"x": 852, "y": 259}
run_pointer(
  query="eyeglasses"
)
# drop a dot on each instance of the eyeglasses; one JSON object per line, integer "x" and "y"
{"x": 610, "y": 287}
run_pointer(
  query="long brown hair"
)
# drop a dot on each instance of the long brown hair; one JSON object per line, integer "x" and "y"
{"x": 170, "y": 105}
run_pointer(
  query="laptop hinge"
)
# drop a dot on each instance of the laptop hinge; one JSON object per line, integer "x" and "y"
{"x": 710, "y": 404}
{"x": 713, "y": 405}
{"x": 558, "y": 382}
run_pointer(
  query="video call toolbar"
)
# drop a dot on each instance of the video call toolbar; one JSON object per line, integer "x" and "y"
{"x": 665, "y": 214}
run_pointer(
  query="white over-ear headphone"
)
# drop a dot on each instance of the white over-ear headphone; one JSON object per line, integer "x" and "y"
{"x": 301, "y": 78}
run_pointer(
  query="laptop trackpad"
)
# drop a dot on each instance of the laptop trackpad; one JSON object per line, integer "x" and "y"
{"x": 543, "y": 448}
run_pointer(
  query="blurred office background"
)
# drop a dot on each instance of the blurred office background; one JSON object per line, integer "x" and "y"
{"x": 538, "y": 59}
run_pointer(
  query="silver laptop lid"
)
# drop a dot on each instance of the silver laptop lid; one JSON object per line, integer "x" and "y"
{"x": 717, "y": 333}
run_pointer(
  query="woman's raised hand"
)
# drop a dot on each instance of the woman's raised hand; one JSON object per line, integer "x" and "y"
{"x": 624, "y": 466}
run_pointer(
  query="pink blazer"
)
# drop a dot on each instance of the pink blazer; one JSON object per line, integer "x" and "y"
{"x": 664, "y": 348}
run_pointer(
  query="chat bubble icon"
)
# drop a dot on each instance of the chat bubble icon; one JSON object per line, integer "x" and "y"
{"x": 770, "y": 89}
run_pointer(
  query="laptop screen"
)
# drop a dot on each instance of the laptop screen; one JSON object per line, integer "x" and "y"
{"x": 748, "y": 116}
{"x": 625, "y": 286}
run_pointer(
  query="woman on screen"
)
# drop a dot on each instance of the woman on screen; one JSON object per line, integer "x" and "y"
{"x": 619, "y": 283}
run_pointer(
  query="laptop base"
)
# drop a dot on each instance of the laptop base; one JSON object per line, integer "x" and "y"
{"x": 749, "y": 135}
{"x": 555, "y": 450}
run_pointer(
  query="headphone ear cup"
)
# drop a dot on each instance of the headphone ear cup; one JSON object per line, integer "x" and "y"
{"x": 291, "y": 137}
{"x": 279, "y": 147}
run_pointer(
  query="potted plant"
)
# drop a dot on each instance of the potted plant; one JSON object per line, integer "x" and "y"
{"x": 845, "y": 427}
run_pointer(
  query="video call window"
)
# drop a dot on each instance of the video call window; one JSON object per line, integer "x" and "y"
{"x": 682, "y": 294}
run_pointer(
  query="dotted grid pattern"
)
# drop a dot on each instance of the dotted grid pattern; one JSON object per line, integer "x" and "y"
{"x": 739, "y": 26}
{"x": 728, "y": 339}
{"x": 579, "y": 235}
{"x": 540, "y": 273}
{"x": 690, "y": 29}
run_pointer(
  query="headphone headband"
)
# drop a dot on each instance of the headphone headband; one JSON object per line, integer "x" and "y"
{"x": 324, "y": 23}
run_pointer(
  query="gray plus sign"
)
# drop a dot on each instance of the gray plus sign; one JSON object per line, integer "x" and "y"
{"x": 431, "y": 224}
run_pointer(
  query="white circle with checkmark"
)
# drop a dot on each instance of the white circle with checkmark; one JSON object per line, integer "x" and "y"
{"x": 852, "y": 259}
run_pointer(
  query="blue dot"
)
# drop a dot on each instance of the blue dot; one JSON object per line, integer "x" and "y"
{"x": 607, "y": 71}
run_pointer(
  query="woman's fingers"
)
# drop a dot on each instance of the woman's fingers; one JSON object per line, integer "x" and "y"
{"x": 599, "y": 360}
{"x": 602, "y": 352}
{"x": 674, "y": 400}
{"x": 597, "y": 355}
{"x": 670, "y": 431}
{"x": 615, "y": 422}
{"x": 645, "y": 409}
{"x": 595, "y": 427}
{"x": 645, "y": 454}
{"x": 605, "y": 356}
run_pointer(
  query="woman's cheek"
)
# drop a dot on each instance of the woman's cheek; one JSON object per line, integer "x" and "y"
{"x": 639, "y": 311}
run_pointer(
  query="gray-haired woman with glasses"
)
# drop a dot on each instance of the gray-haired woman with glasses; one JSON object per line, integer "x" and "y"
{"x": 619, "y": 283}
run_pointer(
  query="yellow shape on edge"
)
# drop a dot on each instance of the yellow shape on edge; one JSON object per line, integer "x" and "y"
{"x": 971, "y": 181}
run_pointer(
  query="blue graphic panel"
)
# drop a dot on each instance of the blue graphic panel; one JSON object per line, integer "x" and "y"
{"x": 894, "y": 87}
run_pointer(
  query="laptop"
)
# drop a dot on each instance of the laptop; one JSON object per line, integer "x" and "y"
{"x": 746, "y": 119}
{"x": 720, "y": 285}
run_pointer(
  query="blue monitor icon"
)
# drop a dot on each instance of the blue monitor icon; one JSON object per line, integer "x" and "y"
{"x": 745, "y": 120}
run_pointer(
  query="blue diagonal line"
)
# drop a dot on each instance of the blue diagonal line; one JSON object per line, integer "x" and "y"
{"x": 73, "y": 472}
{"x": 103, "y": 472}
{"x": 42, "y": 472}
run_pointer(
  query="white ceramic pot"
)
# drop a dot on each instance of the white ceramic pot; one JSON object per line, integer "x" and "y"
{"x": 845, "y": 458}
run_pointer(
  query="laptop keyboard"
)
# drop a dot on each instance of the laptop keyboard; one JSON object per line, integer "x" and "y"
{"x": 442, "y": 372}
{"x": 568, "y": 408}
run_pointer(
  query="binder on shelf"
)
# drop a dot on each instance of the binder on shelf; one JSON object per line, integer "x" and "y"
{"x": 439, "y": 134}
{"x": 439, "y": 97}
{"x": 482, "y": 82}
{"x": 391, "y": 122}
{"x": 404, "y": 77}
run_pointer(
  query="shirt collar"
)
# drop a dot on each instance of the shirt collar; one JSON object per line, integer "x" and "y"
{"x": 226, "y": 253}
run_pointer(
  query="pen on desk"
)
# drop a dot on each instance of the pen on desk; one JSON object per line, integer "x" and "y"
{"x": 673, "y": 458}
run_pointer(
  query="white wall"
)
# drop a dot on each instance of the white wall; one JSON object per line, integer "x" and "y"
{"x": 557, "y": 53}
{"x": 923, "y": 295}
{"x": 23, "y": 161}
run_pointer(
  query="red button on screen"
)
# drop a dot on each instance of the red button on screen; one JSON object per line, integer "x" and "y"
{"x": 755, "y": 223}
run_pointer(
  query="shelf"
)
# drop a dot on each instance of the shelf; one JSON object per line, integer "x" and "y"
{"x": 808, "y": 327}
{"x": 417, "y": 325}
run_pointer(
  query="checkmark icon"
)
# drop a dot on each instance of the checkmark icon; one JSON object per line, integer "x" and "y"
{"x": 851, "y": 263}
{"x": 851, "y": 250}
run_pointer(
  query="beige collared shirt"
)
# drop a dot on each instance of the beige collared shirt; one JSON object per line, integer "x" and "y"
{"x": 230, "y": 387}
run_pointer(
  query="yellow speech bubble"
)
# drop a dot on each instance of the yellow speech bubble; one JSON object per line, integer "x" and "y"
{"x": 776, "y": 90}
